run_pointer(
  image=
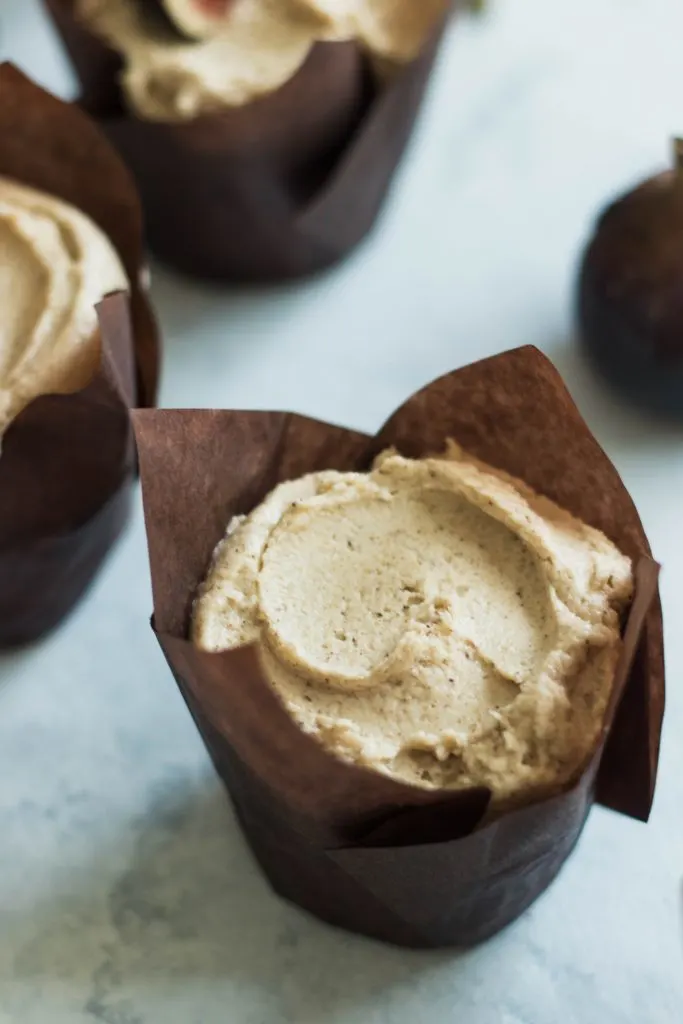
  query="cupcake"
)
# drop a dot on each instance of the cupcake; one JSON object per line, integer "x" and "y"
{"x": 70, "y": 238}
{"x": 416, "y": 659}
{"x": 264, "y": 134}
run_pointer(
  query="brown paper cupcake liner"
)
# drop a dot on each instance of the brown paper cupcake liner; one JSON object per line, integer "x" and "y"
{"x": 358, "y": 849}
{"x": 68, "y": 461}
{"x": 280, "y": 188}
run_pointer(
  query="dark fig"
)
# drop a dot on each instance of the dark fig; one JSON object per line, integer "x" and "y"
{"x": 630, "y": 292}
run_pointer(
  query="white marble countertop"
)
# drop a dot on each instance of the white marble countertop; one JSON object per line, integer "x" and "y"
{"x": 127, "y": 895}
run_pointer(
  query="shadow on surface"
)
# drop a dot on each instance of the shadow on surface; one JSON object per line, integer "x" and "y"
{"x": 185, "y": 303}
{"x": 11, "y": 662}
{"x": 190, "y": 908}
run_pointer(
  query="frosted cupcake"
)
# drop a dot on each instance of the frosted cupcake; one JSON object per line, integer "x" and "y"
{"x": 70, "y": 240}
{"x": 264, "y": 134}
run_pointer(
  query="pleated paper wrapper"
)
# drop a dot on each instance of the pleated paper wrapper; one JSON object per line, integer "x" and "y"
{"x": 362, "y": 851}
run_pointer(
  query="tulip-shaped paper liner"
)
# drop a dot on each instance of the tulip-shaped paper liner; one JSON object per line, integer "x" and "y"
{"x": 279, "y": 188}
{"x": 359, "y": 849}
{"x": 68, "y": 460}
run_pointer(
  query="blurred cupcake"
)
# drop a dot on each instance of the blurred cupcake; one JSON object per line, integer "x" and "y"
{"x": 415, "y": 659}
{"x": 70, "y": 240}
{"x": 264, "y": 134}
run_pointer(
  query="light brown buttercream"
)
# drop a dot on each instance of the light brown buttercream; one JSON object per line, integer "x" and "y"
{"x": 55, "y": 265}
{"x": 433, "y": 620}
{"x": 253, "y": 51}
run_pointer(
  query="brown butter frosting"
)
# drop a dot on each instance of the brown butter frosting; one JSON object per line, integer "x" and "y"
{"x": 253, "y": 50}
{"x": 434, "y": 620}
{"x": 55, "y": 266}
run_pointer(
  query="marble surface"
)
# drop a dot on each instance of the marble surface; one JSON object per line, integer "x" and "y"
{"x": 126, "y": 893}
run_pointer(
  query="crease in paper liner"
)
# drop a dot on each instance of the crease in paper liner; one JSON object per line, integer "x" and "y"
{"x": 386, "y": 126}
{"x": 451, "y": 893}
{"x": 66, "y": 473}
{"x": 200, "y": 467}
{"x": 52, "y": 146}
{"x": 297, "y": 221}
{"x": 422, "y": 895}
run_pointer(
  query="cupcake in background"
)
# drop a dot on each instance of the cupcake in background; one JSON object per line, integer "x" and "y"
{"x": 184, "y": 59}
{"x": 56, "y": 266}
{"x": 415, "y": 659}
{"x": 264, "y": 134}
{"x": 70, "y": 241}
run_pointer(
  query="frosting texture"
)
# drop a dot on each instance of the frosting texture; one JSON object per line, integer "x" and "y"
{"x": 55, "y": 266}
{"x": 433, "y": 619}
{"x": 235, "y": 53}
